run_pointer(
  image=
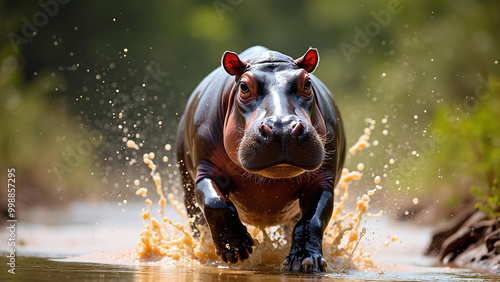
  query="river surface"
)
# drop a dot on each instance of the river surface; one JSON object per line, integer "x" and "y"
{"x": 97, "y": 241}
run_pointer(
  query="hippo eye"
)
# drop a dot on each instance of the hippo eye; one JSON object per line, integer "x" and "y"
{"x": 243, "y": 87}
{"x": 307, "y": 85}
{"x": 306, "y": 92}
{"x": 244, "y": 91}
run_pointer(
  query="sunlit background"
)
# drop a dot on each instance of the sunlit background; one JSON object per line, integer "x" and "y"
{"x": 80, "y": 78}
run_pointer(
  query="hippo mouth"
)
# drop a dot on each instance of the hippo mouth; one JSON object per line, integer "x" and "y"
{"x": 281, "y": 171}
{"x": 275, "y": 163}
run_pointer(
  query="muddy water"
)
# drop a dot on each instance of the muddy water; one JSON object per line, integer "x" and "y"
{"x": 43, "y": 269}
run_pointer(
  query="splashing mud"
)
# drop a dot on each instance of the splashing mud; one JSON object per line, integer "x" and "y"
{"x": 170, "y": 244}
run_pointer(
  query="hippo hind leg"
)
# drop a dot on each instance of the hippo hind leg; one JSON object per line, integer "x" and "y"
{"x": 194, "y": 213}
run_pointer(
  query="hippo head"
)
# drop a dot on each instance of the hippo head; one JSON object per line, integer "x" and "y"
{"x": 273, "y": 126}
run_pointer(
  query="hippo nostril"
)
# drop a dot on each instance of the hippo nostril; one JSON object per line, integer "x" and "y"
{"x": 301, "y": 132}
{"x": 297, "y": 130}
{"x": 265, "y": 131}
{"x": 262, "y": 132}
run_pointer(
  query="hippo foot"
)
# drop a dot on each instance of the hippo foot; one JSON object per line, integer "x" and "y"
{"x": 306, "y": 251}
{"x": 233, "y": 246}
{"x": 304, "y": 262}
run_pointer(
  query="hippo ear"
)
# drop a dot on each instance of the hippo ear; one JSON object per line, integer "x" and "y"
{"x": 232, "y": 63}
{"x": 309, "y": 61}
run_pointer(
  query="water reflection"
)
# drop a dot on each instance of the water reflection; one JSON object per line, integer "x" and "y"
{"x": 43, "y": 269}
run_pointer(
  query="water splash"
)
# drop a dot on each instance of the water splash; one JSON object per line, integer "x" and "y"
{"x": 170, "y": 244}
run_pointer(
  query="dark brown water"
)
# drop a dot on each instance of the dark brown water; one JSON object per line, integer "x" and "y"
{"x": 45, "y": 269}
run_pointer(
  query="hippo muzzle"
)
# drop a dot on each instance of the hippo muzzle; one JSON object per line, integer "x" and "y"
{"x": 277, "y": 147}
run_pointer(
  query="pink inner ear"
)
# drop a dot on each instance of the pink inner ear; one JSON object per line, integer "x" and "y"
{"x": 232, "y": 64}
{"x": 310, "y": 60}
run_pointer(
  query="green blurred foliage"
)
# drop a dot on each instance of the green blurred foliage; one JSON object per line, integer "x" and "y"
{"x": 426, "y": 54}
{"x": 473, "y": 140}
{"x": 35, "y": 129}
{"x": 465, "y": 154}
{"x": 488, "y": 201}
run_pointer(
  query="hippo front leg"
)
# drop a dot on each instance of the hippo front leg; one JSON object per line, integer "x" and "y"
{"x": 230, "y": 236}
{"x": 306, "y": 253}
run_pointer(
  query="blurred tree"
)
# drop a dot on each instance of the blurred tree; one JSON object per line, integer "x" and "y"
{"x": 36, "y": 131}
{"x": 127, "y": 68}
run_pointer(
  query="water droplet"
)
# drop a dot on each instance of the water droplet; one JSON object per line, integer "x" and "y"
{"x": 360, "y": 166}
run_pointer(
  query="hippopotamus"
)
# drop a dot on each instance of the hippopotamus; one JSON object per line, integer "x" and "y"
{"x": 261, "y": 142}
